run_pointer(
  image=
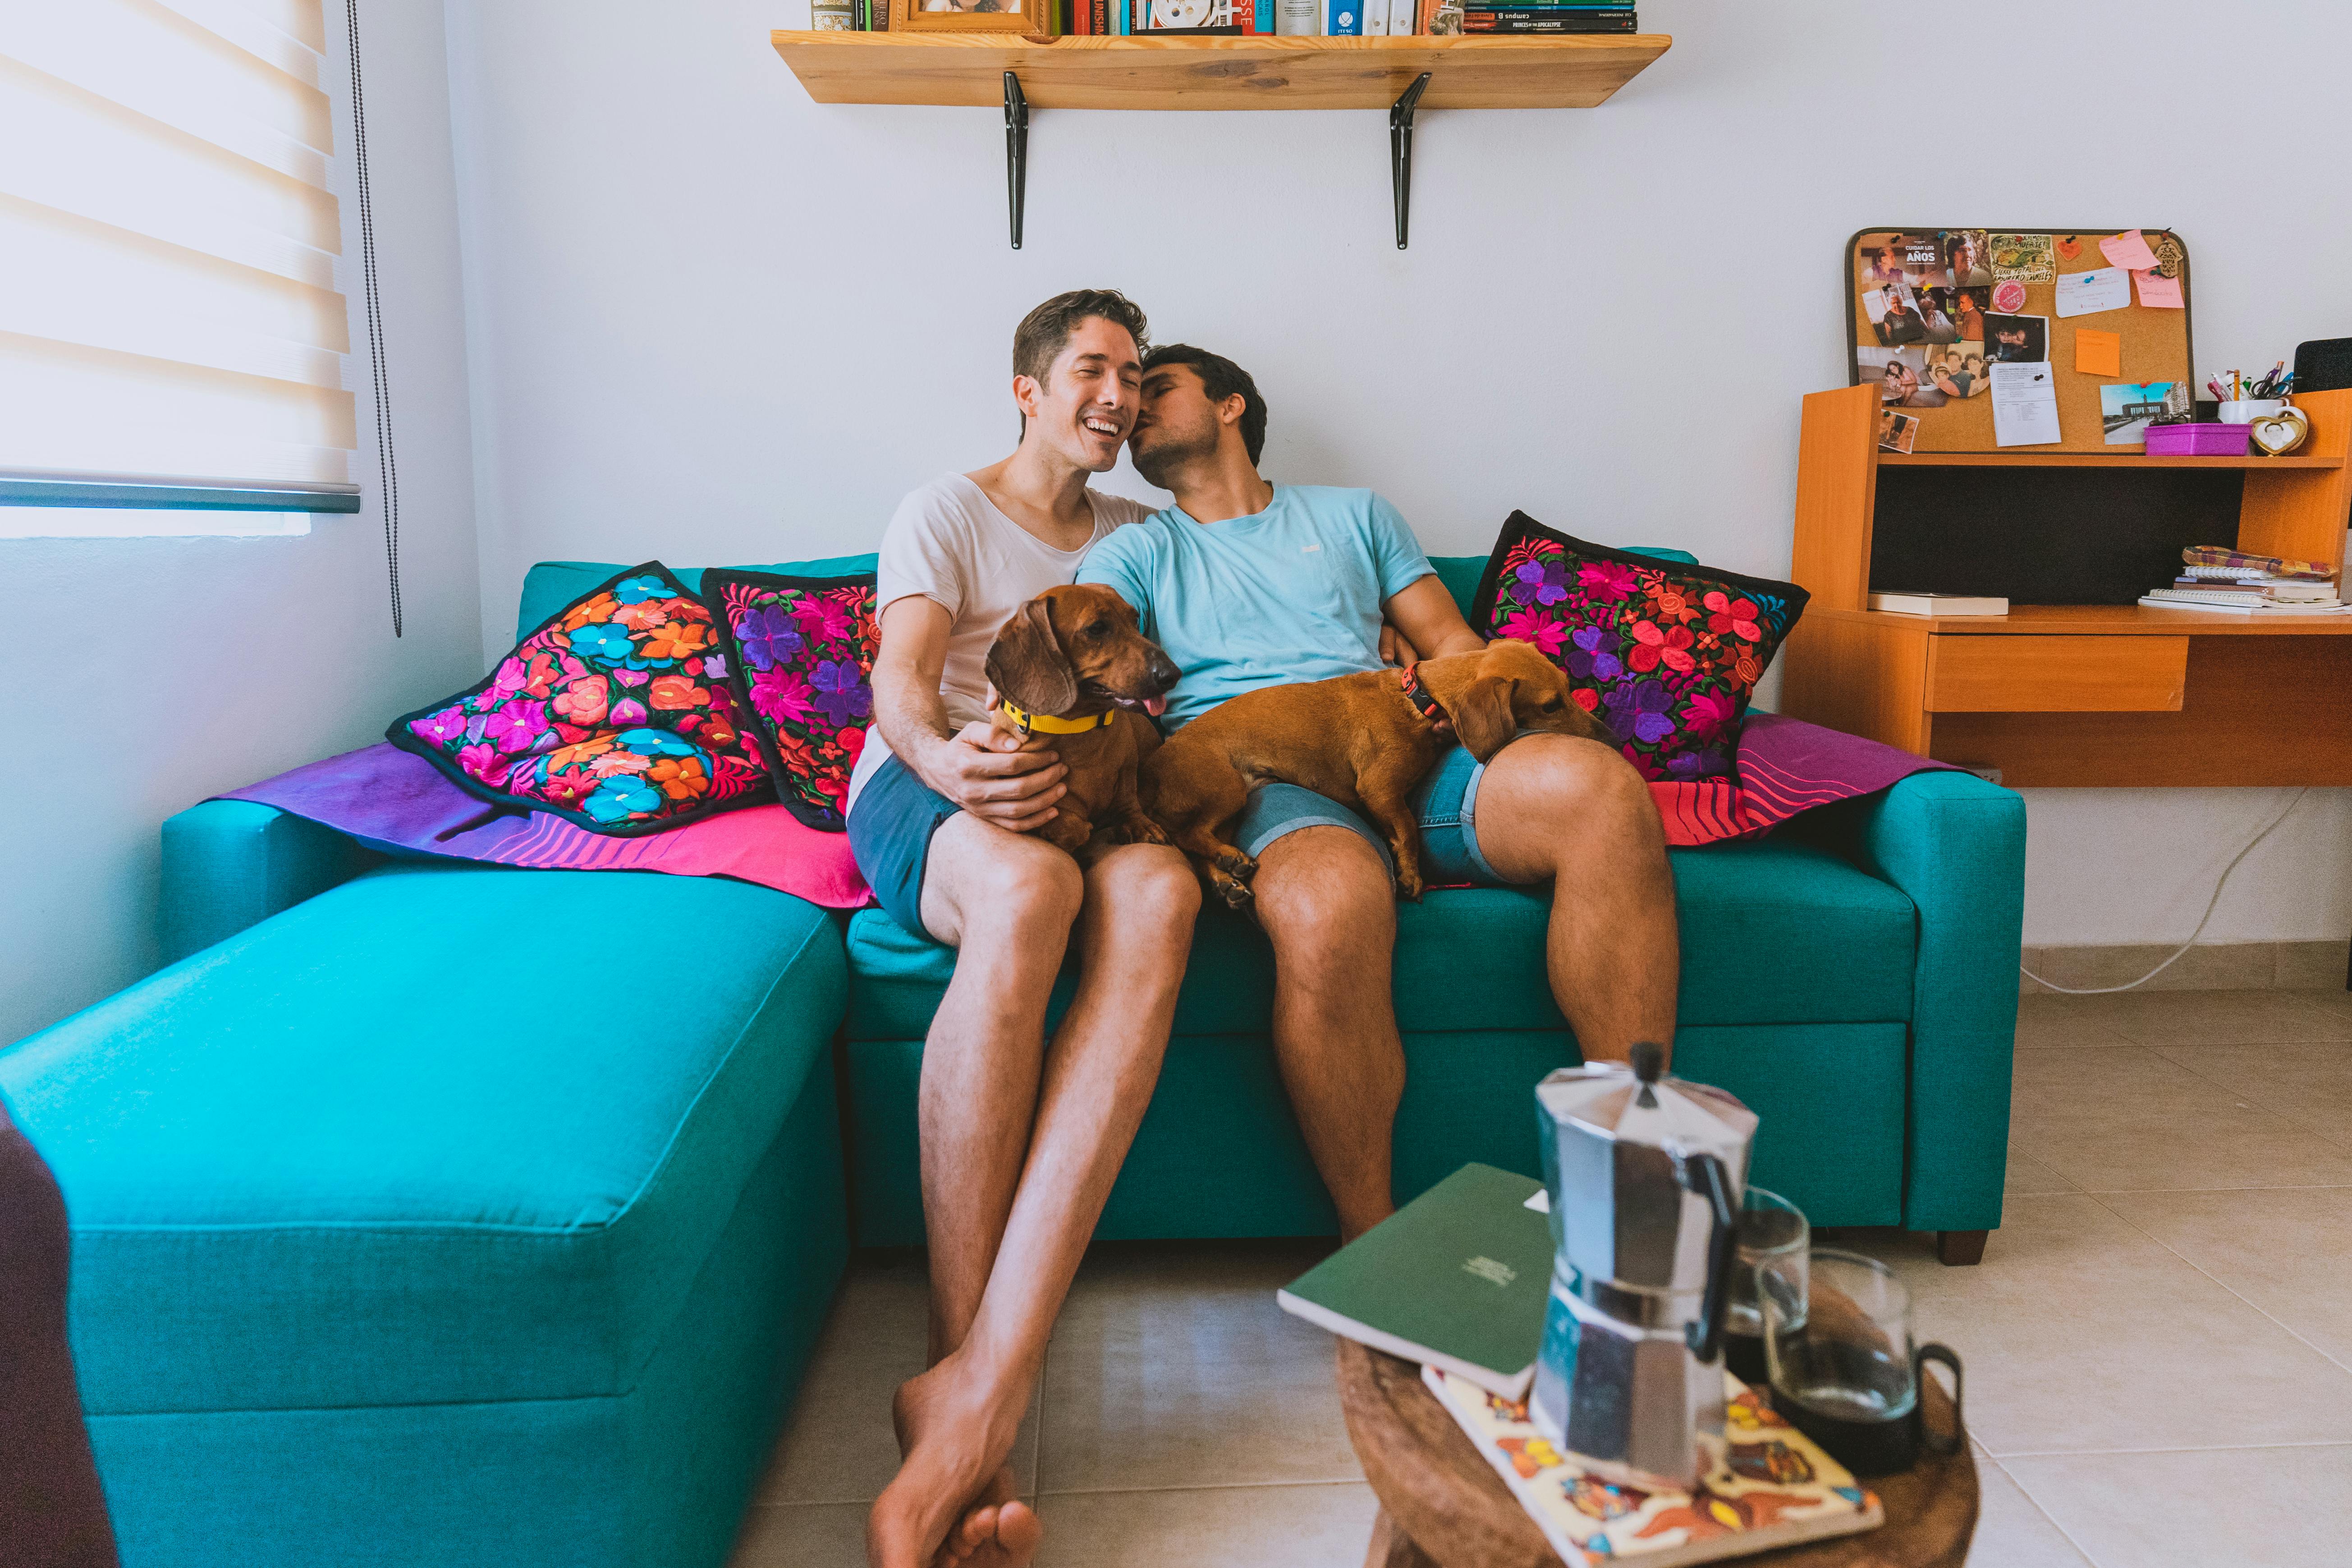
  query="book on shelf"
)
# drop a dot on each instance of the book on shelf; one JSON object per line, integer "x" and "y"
{"x": 1909, "y": 603}
{"x": 1476, "y": 21}
{"x": 2220, "y": 603}
{"x": 1457, "y": 1279}
{"x": 1772, "y": 1486}
{"x": 1162, "y": 18}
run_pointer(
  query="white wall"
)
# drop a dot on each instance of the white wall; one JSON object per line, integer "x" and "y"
{"x": 712, "y": 320}
{"x": 169, "y": 669}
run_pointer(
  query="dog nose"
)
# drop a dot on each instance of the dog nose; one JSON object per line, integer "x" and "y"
{"x": 1163, "y": 672}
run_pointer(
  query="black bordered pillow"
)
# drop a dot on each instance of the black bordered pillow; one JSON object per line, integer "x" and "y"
{"x": 802, "y": 650}
{"x": 614, "y": 714}
{"x": 1665, "y": 654}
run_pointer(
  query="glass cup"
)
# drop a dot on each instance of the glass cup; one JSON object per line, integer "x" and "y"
{"x": 1844, "y": 1369}
{"x": 1772, "y": 1229}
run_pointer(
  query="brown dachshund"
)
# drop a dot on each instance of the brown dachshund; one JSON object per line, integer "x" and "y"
{"x": 1365, "y": 741}
{"x": 1063, "y": 667}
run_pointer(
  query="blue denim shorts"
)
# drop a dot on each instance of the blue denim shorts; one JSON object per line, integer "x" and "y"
{"x": 1446, "y": 805}
{"x": 890, "y": 828}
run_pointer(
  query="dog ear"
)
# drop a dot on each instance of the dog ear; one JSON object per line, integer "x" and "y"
{"x": 1025, "y": 662}
{"x": 1481, "y": 711}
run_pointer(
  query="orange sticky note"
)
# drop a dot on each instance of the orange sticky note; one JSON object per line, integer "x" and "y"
{"x": 2158, "y": 292}
{"x": 2099, "y": 353}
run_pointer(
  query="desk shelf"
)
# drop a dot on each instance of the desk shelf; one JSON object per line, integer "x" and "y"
{"x": 2055, "y": 695}
{"x": 2093, "y": 461}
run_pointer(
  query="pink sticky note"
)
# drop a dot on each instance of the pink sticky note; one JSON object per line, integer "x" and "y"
{"x": 2158, "y": 292}
{"x": 2127, "y": 249}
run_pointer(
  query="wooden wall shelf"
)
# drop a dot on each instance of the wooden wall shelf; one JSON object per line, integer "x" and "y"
{"x": 1221, "y": 73}
{"x": 2073, "y": 694}
{"x": 978, "y": 70}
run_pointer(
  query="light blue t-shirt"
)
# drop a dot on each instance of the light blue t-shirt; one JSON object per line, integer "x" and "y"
{"x": 1291, "y": 593}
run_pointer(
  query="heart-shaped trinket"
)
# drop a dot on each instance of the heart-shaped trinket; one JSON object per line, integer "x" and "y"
{"x": 2281, "y": 432}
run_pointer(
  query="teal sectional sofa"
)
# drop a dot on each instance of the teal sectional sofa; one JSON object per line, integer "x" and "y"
{"x": 416, "y": 1222}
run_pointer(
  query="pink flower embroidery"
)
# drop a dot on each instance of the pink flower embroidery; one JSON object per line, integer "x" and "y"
{"x": 515, "y": 726}
{"x": 781, "y": 694}
{"x": 1528, "y": 626}
{"x": 820, "y": 618}
{"x": 1606, "y": 580}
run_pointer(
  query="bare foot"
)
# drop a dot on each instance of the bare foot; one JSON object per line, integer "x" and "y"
{"x": 953, "y": 1503}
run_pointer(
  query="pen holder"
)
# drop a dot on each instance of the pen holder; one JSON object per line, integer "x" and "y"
{"x": 2275, "y": 425}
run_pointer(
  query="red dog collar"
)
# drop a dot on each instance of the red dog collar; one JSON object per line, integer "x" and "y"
{"x": 1418, "y": 695}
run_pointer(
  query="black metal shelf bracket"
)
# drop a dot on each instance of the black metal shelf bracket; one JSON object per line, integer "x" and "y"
{"x": 1016, "y": 150}
{"x": 1400, "y": 153}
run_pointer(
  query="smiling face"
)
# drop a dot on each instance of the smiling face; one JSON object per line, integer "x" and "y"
{"x": 1086, "y": 405}
{"x": 1178, "y": 424}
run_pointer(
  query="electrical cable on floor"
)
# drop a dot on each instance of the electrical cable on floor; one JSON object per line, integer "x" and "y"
{"x": 386, "y": 466}
{"x": 2210, "y": 904}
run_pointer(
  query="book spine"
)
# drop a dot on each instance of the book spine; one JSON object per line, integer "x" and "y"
{"x": 1297, "y": 18}
{"x": 1486, "y": 22}
{"x": 879, "y": 14}
{"x": 1374, "y": 21}
{"x": 1262, "y": 15}
{"x": 1344, "y": 19}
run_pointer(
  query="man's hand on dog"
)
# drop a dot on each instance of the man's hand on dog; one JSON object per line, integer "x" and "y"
{"x": 986, "y": 772}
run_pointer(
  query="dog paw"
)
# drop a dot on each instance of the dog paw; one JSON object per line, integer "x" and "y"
{"x": 1238, "y": 865}
{"x": 1145, "y": 832}
{"x": 1236, "y": 895}
{"x": 1409, "y": 886}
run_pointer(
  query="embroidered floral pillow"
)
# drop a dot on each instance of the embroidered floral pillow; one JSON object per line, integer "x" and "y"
{"x": 614, "y": 714}
{"x": 1666, "y": 653}
{"x": 803, "y": 648}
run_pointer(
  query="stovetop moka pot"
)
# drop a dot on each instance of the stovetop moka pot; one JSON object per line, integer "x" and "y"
{"x": 1644, "y": 1175}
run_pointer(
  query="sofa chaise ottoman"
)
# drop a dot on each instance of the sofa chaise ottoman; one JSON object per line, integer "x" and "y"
{"x": 476, "y": 1218}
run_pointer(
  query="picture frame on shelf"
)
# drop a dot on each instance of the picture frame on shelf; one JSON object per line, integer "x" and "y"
{"x": 1034, "y": 19}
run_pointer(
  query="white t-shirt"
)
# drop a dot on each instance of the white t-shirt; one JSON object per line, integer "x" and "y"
{"x": 950, "y": 543}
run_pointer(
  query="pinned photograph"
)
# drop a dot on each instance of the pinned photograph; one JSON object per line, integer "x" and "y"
{"x": 1968, "y": 257}
{"x": 1967, "y": 311}
{"x": 1901, "y": 374}
{"x": 2017, "y": 340}
{"x": 1896, "y": 432}
{"x": 1958, "y": 370}
{"x": 2025, "y": 258}
{"x": 2126, "y": 411}
{"x": 1939, "y": 312}
{"x": 1891, "y": 258}
{"x": 1893, "y": 312}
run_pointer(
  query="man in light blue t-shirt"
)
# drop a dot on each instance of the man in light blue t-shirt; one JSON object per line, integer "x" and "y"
{"x": 1248, "y": 584}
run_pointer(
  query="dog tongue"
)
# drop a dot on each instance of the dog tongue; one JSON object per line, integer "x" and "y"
{"x": 1155, "y": 706}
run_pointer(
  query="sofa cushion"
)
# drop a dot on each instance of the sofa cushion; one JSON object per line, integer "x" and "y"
{"x": 1773, "y": 931}
{"x": 614, "y": 713}
{"x": 550, "y": 586}
{"x": 417, "y": 1141}
{"x": 803, "y": 652}
{"x": 1666, "y": 655}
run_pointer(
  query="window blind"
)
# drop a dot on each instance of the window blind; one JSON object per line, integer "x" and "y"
{"x": 172, "y": 328}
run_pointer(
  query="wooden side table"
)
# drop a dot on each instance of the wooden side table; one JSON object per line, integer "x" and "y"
{"x": 1442, "y": 1506}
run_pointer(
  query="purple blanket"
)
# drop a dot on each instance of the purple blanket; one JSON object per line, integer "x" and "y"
{"x": 390, "y": 800}
{"x": 401, "y": 803}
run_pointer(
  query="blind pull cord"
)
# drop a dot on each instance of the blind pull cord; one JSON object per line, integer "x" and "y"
{"x": 387, "y": 467}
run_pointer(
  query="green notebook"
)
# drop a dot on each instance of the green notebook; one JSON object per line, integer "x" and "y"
{"x": 1458, "y": 1278}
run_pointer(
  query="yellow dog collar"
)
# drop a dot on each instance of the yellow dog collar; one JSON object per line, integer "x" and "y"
{"x": 1046, "y": 724}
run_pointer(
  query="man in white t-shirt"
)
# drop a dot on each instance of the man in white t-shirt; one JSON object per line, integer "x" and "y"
{"x": 1022, "y": 1137}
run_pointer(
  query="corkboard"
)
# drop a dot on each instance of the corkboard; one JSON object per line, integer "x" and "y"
{"x": 2156, "y": 347}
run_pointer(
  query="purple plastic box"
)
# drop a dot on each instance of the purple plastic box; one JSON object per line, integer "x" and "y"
{"x": 2197, "y": 440}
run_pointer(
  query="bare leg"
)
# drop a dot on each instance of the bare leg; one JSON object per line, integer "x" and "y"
{"x": 1574, "y": 812}
{"x": 995, "y": 1301}
{"x": 1327, "y": 902}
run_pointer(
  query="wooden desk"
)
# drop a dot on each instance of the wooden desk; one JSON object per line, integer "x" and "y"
{"x": 2076, "y": 694}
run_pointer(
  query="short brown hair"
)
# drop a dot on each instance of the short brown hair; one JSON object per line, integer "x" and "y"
{"x": 1045, "y": 332}
{"x": 1221, "y": 378}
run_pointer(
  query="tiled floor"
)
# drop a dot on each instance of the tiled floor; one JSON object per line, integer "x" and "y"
{"x": 2159, "y": 1340}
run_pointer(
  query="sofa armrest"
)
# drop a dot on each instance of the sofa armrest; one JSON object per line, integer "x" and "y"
{"x": 230, "y": 864}
{"x": 1955, "y": 847}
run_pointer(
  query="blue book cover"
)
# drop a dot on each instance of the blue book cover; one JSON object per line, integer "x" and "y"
{"x": 1264, "y": 9}
{"x": 1346, "y": 19}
